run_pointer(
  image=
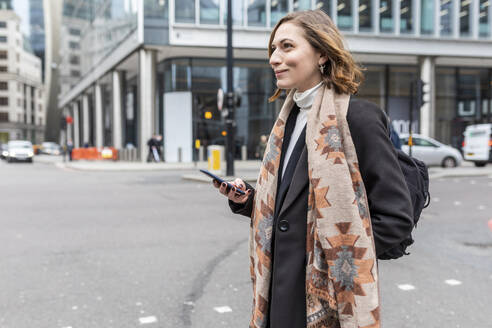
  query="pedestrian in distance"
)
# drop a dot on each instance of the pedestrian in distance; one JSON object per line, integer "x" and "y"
{"x": 69, "y": 149}
{"x": 154, "y": 145}
{"x": 260, "y": 149}
{"x": 330, "y": 195}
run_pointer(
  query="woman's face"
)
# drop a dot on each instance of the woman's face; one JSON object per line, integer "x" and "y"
{"x": 294, "y": 61}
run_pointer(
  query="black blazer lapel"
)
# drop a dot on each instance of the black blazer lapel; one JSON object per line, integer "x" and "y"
{"x": 300, "y": 179}
{"x": 289, "y": 128}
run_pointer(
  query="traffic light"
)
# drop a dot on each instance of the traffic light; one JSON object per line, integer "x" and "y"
{"x": 63, "y": 123}
{"x": 422, "y": 93}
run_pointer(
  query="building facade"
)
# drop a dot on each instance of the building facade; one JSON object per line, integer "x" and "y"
{"x": 22, "y": 112}
{"x": 154, "y": 66}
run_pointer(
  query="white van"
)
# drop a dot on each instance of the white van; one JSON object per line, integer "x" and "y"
{"x": 477, "y": 146}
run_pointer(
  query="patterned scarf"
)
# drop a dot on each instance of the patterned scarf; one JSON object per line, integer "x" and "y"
{"x": 341, "y": 274}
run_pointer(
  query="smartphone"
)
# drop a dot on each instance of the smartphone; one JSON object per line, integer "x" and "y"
{"x": 219, "y": 180}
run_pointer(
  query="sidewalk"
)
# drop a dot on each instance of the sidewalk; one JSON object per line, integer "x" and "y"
{"x": 248, "y": 170}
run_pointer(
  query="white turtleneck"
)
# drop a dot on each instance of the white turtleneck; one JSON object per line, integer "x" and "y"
{"x": 304, "y": 100}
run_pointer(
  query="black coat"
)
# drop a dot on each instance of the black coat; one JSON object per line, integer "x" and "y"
{"x": 388, "y": 197}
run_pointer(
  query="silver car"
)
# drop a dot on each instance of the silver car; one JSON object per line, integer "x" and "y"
{"x": 431, "y": 152}
{"x": 20, "y": 150}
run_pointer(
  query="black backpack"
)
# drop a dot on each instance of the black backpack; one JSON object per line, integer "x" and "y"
{"x": 417, "y": 179}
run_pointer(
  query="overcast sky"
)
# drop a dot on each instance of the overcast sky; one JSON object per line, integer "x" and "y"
{"x": 21, "y": 7}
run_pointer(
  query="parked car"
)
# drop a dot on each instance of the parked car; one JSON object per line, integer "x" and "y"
{"x": 4, "y": 151}
{"x": 431, "y": 152}
{"x": 50, "y": 148}
{"x": 20, "y": 150}
{"x": 477, "y": 145}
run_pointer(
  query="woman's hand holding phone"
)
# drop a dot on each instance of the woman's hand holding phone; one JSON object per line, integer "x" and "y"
{"x": 231, "y": 193}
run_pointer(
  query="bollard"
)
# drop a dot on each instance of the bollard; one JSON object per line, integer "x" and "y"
{"x": 201, "y": 154}
{"x": 180, "y": 154}
{"x": 244, "y": 153}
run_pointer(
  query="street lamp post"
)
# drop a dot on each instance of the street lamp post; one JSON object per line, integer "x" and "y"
{"x": 230, "y": 103}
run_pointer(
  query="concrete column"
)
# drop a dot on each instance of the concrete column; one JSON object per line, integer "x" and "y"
{"x": 475, "y": 18}
{"x": 99, "y": 117}
{"x": 85, "y": 123}
{"x": 117, "y": 120}
{"x": 456, "y": 18}
{"x": 147, "y": 59}
{"x": 427, "y": 112}
{"x": 76, "y": 127}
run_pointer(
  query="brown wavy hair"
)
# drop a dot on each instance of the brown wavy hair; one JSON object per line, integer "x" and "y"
{"x": 341, "y": 71}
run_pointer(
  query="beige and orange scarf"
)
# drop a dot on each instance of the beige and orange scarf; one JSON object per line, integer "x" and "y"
{"x": 341, "y": 274}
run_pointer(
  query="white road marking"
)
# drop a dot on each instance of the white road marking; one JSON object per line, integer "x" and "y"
{"x": 436, "y": 199}
{"x": 406, "y": 287}
{"x": 481, "y": 207}
{"x": 453, "y": 282}
{"x": 223, "y": 309}
{"x": 190, "y": 303}
{"x": 146, "y": 320}
{"x": 457, "y": 203}
{"x": 138, "y": 304}
{"x": 473, "y": 182}
{"x": 75, "y": 307}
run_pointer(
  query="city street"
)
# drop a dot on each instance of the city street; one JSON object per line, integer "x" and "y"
{"x": 89, "y": 249}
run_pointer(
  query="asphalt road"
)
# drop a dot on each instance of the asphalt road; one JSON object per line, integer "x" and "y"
{"x": 147, "y": 249}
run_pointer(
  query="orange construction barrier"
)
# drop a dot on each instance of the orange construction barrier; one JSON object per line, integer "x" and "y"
{"x": 94, "y": 154}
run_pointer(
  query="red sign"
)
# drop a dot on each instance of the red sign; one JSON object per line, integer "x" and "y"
{"x": 69, "y": 119}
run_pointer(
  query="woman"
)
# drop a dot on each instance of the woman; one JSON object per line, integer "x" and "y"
{"x": 328, "y": 164}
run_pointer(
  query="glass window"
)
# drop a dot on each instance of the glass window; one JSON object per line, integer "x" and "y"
{"x": 406, "y": 19}
{"x": 185, "y": 11}
{"x": 365, "y": 15}
{"x": 345, "y": 18}
{"x": 373, "y": 88}
{"x": 4, "y": 101}
{"x": 3, "y": 69}
{"x": 468, "y": 91}
{"x": 446, "y": 14}
{"x": 465, "y": 15}
{"x": 427, "y": 16}
{"x": 209, "y": 11}
{"x": 4, "y": 85}
{"x": 177, "y": 77}
{"x": 257, "y": 13}
{"x": 4, "y": 54}
{"x": 156, "y": 9}
{"x": 324, "y": 5}
{"x": 74, "y": 60}
{"x": 386, "y": 16}
{"x": 423, "y": 142}
{"x": 302, "y": 5}
{"x": 279, "y": 9}
{"x": 3, "y": 39}
{"x": 74, "y": 45}
{"x": 74, "y": 31}
{"x": 398, "y": 105}
{"x": 3, "y": 24}
{"x": 237, "y": 12}
{"x": 484, "y": 20}
{"x": 400, "y": 79}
